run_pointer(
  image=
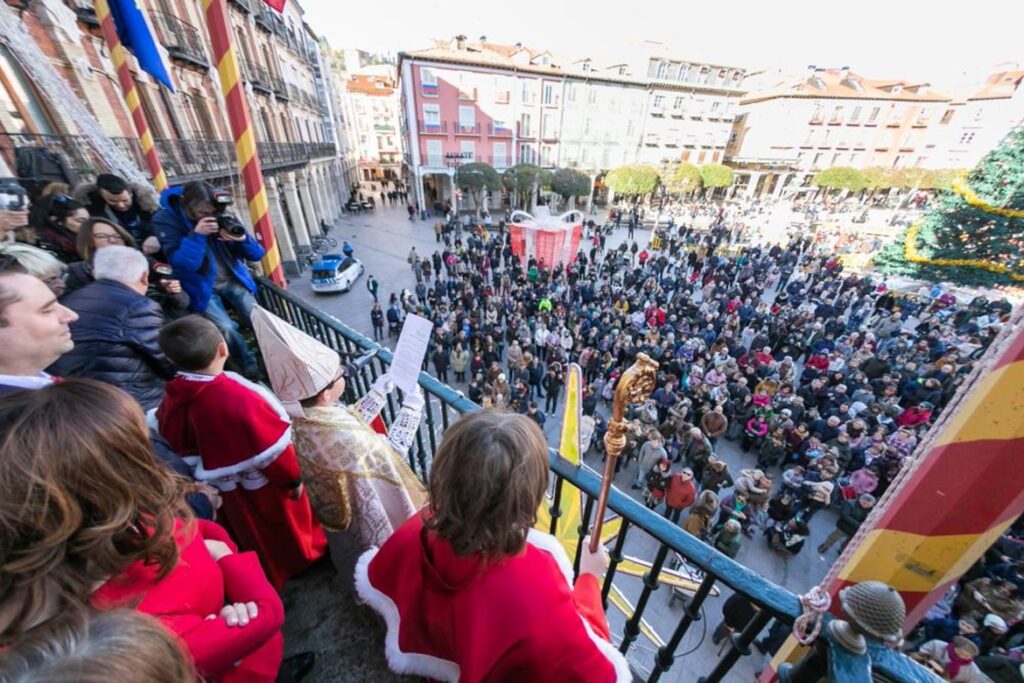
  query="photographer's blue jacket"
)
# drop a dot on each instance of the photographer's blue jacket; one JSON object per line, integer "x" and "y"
{"x": 192, "y": 255}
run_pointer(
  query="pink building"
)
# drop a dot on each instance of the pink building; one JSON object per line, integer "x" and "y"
{"x": 456, "y": 110}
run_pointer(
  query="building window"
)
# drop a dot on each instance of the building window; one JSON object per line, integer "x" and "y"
{"x": 658, "y": 101}
{"x": 468, "y": 149}
{"x": 630, "y": 127}
{"x": 434, "y": 153}
{"x": 967, "y": 137}
{"x": 715, "y": 107}
{"x": 526, "y": 125}
{"x": 547, "y": 155}
{"x": 623, "y": 71}
{"x": 467, "y": 120}
{"x": 855, "y": 115}
{"x": 837, "y": 114}
{"x": 684, "y": 71}
{"x": 677, "y": 103}
{"x": 549, "y": 127}
{"x": 499, "y": 155}
{"x": 875, "y": 111}
{"x": 662, "y": 70}
{"x": 978, "y": 113}
{"x": 527, "y": 155}
{"x": 592, "y": 95}
{"x": 432, "y": 116}
{"x": 947, "y": 116}
{"x": 428, "y": 82}
{"x": 549, "y": 93}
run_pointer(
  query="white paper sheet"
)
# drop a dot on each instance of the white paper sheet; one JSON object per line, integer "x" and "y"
{"x": 409, "y": 352}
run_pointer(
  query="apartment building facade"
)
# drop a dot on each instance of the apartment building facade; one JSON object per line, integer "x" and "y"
{"x": 287, "y": 76}
{"x": 832, "y": 117}
{"x": 468, "y": 101}
{"x": 372, "y": 108}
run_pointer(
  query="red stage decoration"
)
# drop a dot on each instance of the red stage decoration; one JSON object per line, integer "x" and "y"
{"x": 549, "y": 239}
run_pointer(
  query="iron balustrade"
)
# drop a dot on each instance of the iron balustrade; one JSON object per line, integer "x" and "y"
{"x": 182, "y": 160}
{"x": 258, "y": 76}
{"x": 243, "y": 5}
{"x": 443, "y": 406}
{"x": 182, "y": 40}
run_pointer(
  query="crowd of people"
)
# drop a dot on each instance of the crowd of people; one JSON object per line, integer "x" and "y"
{"x": 154, "y": 489}
{"x": 824, "y": 380}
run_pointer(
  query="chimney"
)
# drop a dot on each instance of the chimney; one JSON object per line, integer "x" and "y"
{"x": 460, "y": 42}
{"x": 844, "y": 73}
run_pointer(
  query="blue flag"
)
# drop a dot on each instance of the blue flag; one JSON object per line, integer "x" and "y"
{"x": 137, "y": 38}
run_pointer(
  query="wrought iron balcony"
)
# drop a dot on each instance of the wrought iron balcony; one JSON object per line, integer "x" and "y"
{"x": 257, "y": 76}
{"x": 183, "y": 160}
{"x": 85, "y": 12}
{"x": 263, "y": 16}
{"x": 573, "y": 492}
{"x": 243, "y": 5}
{"x": 279, "y": 87}
{"x": 183, "y": 41}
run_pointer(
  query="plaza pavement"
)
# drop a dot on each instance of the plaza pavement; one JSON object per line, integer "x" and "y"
{"x": 382, "y": 240}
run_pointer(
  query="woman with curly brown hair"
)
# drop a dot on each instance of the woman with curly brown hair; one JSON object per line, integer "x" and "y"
{"x": 88, "y": 515}
{"x": 470, "y": 590}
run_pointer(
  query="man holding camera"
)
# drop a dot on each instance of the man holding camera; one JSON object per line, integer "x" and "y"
{"x": 208, "y": 247}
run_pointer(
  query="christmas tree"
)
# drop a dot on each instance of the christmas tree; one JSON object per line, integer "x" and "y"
{"x": 975, "y": 233}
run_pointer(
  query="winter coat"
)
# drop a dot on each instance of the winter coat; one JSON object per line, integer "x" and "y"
{"x": 116, "y": 341}
{"x": 715, "y": 480}
{"x": 851, "y": 516}
{"x": 714, "y": 424}
{"x": 460, "y": 359}
{"x": 144, "y": 205}
{"x": 199, "y": 586}
{"x": 193, "y": 256}
{"x": 680, "y": 494}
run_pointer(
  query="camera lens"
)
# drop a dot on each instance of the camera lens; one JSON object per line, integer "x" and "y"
{"x": 230, "y": 225}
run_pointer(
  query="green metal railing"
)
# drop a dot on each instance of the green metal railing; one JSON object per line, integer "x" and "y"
{"x": 444, "y": 405}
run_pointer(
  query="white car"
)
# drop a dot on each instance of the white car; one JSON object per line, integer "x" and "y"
{"x": 336, "y": 273}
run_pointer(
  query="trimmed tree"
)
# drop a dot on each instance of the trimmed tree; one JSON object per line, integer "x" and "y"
{"x": 633, "y": 179}
{"x": 475, "y": 178}
{"x": 713, "y": 176}
{"x": 839, "y": 178}
{"x": 569, "y": 183}
{"x": 972, "y": 235}
{"x": 684, "y": 178}
{"x": 521, "y": 180}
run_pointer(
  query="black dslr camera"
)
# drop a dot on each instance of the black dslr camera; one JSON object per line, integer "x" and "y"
{"x": 227, "y": 222}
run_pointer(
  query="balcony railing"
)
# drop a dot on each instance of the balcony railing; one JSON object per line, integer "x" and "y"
{"x": 438, "y": 128}
{"x": 182, "y": 40}
{"x": 243, "y": 5}
{"x": 182, "y": 160}
{"x": 264, "y": 17}
{"x": 258, "y": 77}
{"x": 466, "y": 128}
{"x": 279, "y": 87}
{"x": 444, "y": 405}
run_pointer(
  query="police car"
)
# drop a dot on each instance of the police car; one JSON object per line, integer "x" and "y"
{"x": 336, "y": 273}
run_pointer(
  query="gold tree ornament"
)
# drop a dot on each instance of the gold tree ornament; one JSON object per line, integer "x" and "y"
{"x": 635, "y": 385}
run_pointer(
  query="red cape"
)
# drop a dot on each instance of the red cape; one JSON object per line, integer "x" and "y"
{"x": 197, "y": 587}
{"x": 238, "y": 438}
{"x": 456, "y": 618}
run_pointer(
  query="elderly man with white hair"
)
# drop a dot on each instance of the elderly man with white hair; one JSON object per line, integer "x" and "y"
{"x": 117, "y": 327}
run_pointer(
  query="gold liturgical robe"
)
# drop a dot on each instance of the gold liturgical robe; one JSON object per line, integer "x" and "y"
{"x": 353, "y": 475}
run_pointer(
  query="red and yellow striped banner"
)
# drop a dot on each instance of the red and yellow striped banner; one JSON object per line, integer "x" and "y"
{"x": 242, "y": 131}
{"x": 119, "y": 57}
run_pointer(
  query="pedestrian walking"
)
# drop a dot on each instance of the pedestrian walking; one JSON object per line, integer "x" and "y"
{"x": 372, "y": 286}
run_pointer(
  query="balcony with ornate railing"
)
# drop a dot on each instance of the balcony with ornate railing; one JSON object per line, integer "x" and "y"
{"x": 182, "y": 160}
{"x": 575, "y": 489}
{"x": 183, "y": 41}
{"x": 243, "y": 5}
{"x": 258, "y": 77}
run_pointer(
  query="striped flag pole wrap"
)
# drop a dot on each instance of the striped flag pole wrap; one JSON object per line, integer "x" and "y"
{"x": 242, "y": 131}
{"x": 965, "y": 488}
{"x": 119, "y": 57}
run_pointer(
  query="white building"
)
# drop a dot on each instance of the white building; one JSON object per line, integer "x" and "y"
{"x": 972, "y": 126}
{"x": 832, "y": 117}
{"x": 372, "y": 105}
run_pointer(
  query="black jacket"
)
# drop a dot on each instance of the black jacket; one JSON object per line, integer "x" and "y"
{"x": 116, "y": 341}
{"x": 851, "y": 516}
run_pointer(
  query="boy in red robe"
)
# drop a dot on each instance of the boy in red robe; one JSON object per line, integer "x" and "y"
{"x": 237, "y": 437}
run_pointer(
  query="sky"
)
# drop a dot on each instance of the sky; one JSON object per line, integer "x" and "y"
{"x": 940, "y": 41}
